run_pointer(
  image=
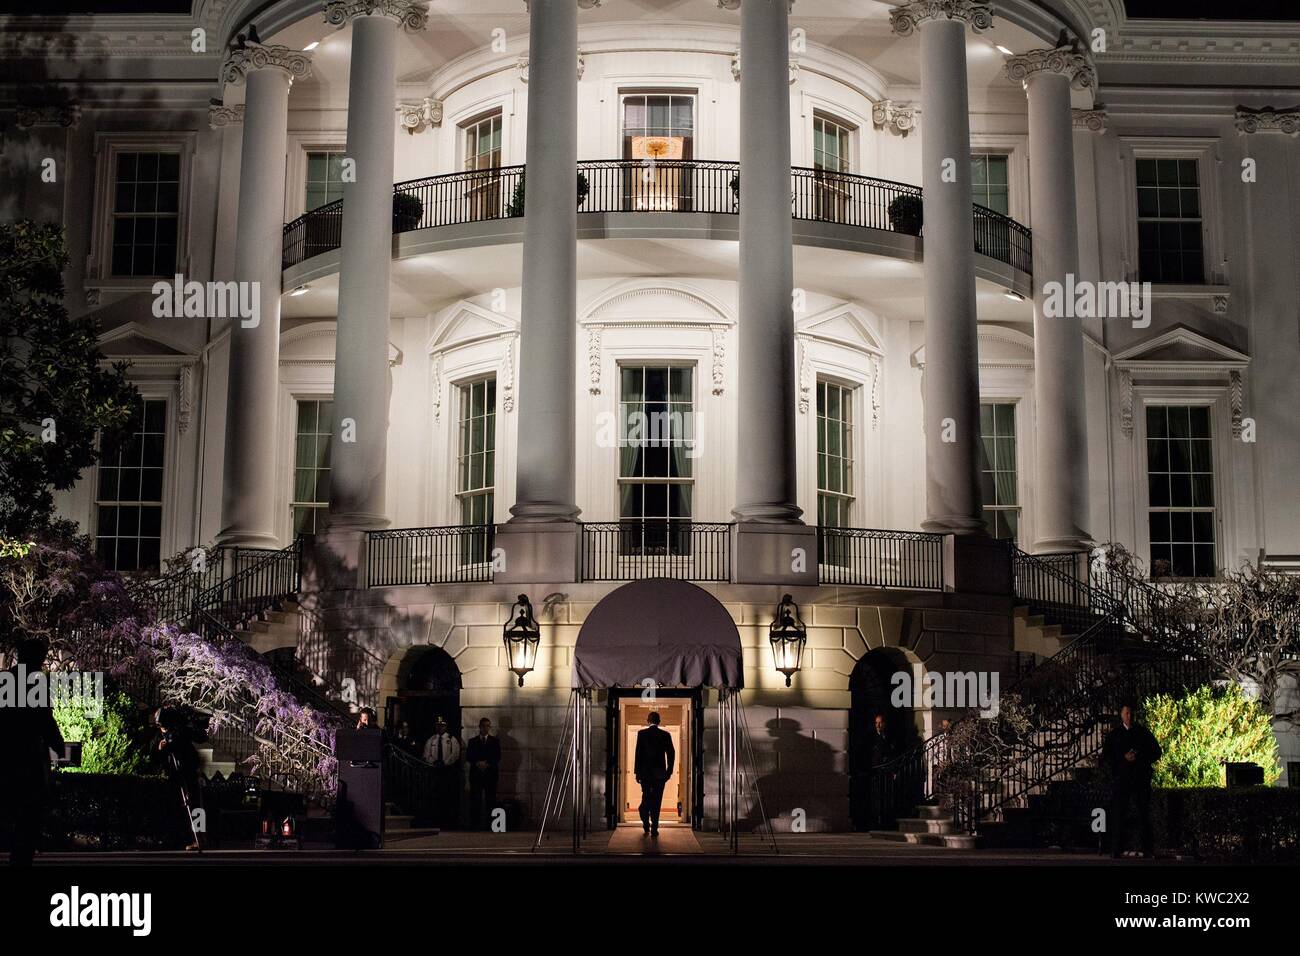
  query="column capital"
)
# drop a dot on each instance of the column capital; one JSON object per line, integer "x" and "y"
{"x": 244, "y": 59}
{"x": 411, "y": 15}
{"x": 905, "y": 19}
{"x": 1065, "y": 60}
{"x": 1093, "y": 120}
{"x": 1249, "y": 120}
{"x": 896, "y": 116}
{"x": 220, "y": 116}
{"x": 417, "y": 117}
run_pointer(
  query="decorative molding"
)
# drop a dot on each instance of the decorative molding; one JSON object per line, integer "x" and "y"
{"x": 593, "y": 359}
{"x": 219, "y": 117}
{"x": 62, "y": 115}
{"x": 905, "y": 19}
{"x": 719, "y": 357}
{"x": 417, "y": 117}
{"x": 1126, "y": 402}
{"x": 185, "y": 403}
{"x": 508, "y": 376}
{"x": 1065, "y": 60}
{"x": 875, "y": 391}
{"x": 1267, "y": 118}
{"x": 92, "y": 297}
{"x": 1093, "y": 120}
{"x": 1221, "y": 304}
{"x": 582, "y": 5}
{"x": 898, "y": 117}
{"x": 436, "y": 385}
{"x": 735, "y": 5}
{"x": 1235, "y": 400}
{"x": 805, "y": 369}
{"x": 521, "y": 65}
{"x": 258, "y": 56}
{"x": 412, "y": 16}
{"x": 735, "y": 68}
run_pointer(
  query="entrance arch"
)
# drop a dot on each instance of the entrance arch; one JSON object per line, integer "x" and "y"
{"x": 427, "y": 686}
{"x": 870, "y": 689}
{"x": 677, "y": 638}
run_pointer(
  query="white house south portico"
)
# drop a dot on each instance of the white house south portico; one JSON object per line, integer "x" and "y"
{"x": 712, "y": 302}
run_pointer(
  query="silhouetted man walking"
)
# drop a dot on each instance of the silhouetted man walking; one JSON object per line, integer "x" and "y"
{"x": 1129, "y": 752}
{"x": 653, "y": 767}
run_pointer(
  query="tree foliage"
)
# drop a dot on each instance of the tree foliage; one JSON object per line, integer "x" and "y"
{"x": 57, "y": 394}
{"x": 112, "y": 741}
{"x": 1203, "y": 730}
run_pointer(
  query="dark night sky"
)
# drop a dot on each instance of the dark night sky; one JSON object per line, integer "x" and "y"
{"x": 1197, "y": 9}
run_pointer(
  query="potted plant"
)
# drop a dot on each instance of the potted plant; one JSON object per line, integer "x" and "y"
{"x": 516, "y": 205}
{"x": 905, "y": 214}
{"x": 407, "y": 210}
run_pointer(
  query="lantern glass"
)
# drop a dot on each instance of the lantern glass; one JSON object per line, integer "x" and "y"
{"x": 788, "y": 637}
{"x": 522, "y": 635}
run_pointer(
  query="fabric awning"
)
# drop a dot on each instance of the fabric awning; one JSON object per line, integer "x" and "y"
{"x": 672, "y": 632}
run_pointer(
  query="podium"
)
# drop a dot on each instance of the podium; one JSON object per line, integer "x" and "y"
{"x": 359, "y": 808}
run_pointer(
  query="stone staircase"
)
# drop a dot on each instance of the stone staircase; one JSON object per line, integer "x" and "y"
{"x": 272, "y": 630}
{"x": 932, "y": 826}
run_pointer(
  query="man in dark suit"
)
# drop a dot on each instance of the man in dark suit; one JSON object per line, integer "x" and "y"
{"x": 653, "y": 767}
{"x": 882, "y": 793}
{"x": 27, "y": 735}
{"x": 1129, "y": 751}
{"x": 484, "y": 755}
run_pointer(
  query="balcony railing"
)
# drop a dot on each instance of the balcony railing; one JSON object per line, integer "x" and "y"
{"x": 636, "y": 549}
{"x": 446, "y": 555}
{"x": 883, "y": 559}
{"x": 605, "y": 186}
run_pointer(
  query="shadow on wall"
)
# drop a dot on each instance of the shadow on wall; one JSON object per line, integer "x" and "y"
{"x": 797, "y": 780}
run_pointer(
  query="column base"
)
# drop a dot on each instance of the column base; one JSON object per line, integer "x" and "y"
{"x": 542, "y": 512}
{"x": 763, "y": 513}
{"x": 771, "y": 553}
{"x": 334, "y": 560}
{"x": 241, "y": 538}
{"x": 538, "y": 552}
{"x": 1069, "y": 542}
{"x": 954, "y": 524}
{"x": 976, "y": 564}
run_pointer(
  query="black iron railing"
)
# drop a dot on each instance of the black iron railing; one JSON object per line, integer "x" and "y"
{"x": 635, "y": 549}
{"x": 885, "y": 559}
{"x": 620, "y": 185}
{"x": 446, "y": 555}
{"x": 1001, "y": 237}
{"x": 411, "y": 784}
{"x": 261, "y": 581}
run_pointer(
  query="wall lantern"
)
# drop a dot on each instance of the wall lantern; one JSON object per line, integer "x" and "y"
{"x": 788, "y": 636}
{"x": 522, "y": 634}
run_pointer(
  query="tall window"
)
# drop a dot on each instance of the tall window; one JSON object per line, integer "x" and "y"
{"x": 476, "y": 460}
{"x": 988, "y": 179}
{"x": 998, "y": 469}
{"x": 658, "y": 127}
{"x": 834, "y": 455}
{"x": 1180, "y": 491}
{"x": 324, "y": 178}
{"x": 311, "y": 465}
{"x": 128, "y": 502}
{"x": 830, "y": 144}
{"x": 146, "y": 213}
{"x": 483, "y": 142}
{"x": 1169, "y": 221}
{"x": 656, "y": 442}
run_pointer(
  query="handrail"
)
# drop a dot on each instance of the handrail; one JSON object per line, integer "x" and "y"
{"x": 439, "y": 555}
{"x": 682, "y": 186}
{"x": 633, "y": 549}
{"x": 221, "y": 609}
{"x": 880, "y": 558}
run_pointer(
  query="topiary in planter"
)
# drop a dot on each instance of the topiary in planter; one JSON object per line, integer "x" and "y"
{"x": 905, "y": 214}
{"x": 407, "y": 211}
{"x": 516, "y": 205}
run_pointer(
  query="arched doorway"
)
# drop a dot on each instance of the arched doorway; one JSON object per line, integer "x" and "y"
{"x": 870, "y": 687}
{"x": 428, "y": 687}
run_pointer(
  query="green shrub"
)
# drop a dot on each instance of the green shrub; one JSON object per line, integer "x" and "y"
{"x": 112, "y": 740}
{"x": 1241, "y": 825}
{"x": 1203, "y": 730}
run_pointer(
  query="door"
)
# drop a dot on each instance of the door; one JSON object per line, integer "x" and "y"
{"x": 674, "y": 718}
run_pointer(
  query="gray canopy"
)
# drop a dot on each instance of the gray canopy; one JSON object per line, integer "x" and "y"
{"x": 669, "y": 631}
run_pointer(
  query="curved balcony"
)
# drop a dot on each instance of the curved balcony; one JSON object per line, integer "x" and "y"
{"x": 671, "y": 186}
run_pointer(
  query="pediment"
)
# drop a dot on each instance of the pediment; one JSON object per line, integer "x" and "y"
{"x": 660, "y": 303}
{"x": 133, "y": 340}
{"x": 315, "y": 343}
{"x": 1181, "y": 346}
{"x": 845, "y": 324}
{"x": 466, "y": 322}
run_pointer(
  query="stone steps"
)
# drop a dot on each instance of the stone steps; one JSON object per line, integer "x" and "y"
{"x": 272, "y": 630}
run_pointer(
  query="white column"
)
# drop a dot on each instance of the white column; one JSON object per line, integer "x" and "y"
{"x": 765, "y": 440}
{"x": 545, "y": 487}
{"x": 1061, "y": 445}
{"x": 359, "y": 450}
{"x": 951, "y": 377}
{"x": 249, "y": 499}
